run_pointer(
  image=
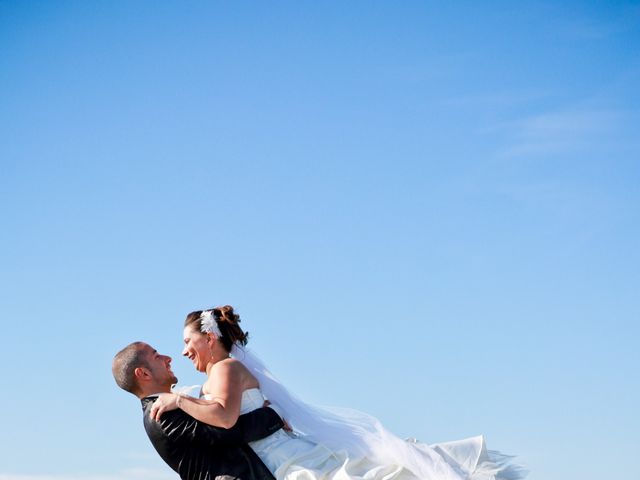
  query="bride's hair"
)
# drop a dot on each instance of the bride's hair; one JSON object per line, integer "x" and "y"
{"x": 227, "y": 321}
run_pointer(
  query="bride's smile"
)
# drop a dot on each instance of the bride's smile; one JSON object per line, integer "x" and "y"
{"x": 196, "y": 349}
{"x": 201, "y": 349}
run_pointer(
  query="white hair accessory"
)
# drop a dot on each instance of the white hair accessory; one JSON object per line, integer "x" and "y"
{"x": 208, "y": 323}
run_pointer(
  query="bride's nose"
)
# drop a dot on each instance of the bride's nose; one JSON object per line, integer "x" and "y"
{"x": 184, "y": 352}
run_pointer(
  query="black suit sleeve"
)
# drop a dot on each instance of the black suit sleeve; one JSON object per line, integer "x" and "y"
{"x": 180, "y": 427}
{"x": 258, "y": 424}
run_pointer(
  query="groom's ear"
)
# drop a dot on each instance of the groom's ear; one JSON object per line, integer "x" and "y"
{"x": 141, "y": 373}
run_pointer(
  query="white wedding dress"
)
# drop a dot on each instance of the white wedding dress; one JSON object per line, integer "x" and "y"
{"x": 293, "y": 457}
{"x": 342, "y": 444}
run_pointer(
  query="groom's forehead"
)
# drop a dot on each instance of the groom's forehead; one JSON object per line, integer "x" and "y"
{"x": 147, "y": 349}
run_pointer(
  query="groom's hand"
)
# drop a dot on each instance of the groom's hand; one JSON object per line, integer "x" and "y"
{"x": 286, "y": 427}
{"x": 164, "y": 403}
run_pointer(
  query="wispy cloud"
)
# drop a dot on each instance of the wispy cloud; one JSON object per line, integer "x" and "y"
{"x": 558, "y": 132}
{"x": 592, "y": 30}
{"x": 128, "y": 474}
{"x": 497, "y": 100}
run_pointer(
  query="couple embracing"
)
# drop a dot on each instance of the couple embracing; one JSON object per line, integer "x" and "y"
{"x": 232, "y": 430}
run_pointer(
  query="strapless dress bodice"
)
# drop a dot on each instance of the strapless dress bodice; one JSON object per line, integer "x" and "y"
{"x": 286, "y": 454}
{"x": 252, "y": 399}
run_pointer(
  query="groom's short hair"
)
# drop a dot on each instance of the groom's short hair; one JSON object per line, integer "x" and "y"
{"x": 125, "y": 363}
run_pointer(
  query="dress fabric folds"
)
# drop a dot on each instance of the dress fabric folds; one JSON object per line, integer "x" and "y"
{"x": 298, "y": 457}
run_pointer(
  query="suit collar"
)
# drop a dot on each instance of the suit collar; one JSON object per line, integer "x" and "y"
{"x": 148, "y": 399}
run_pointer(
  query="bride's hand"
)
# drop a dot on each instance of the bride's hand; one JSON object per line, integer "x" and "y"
{"x": 164, "y": 403}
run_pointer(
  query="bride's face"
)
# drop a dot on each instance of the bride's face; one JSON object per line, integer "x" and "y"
{"x": 197, "y": 348}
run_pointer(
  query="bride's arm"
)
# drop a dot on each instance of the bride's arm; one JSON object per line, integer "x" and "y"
{"x": 222, "y": 410}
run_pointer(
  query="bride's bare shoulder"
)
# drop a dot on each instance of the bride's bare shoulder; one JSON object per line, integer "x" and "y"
{"x": 231, "y": 370}
{"x": 230, "y": 366}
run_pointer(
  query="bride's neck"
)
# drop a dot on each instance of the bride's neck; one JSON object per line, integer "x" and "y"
{"x": 216, "y": 356}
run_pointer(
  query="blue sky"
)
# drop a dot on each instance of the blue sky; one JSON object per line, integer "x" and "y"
{"x": 426, "y": 211}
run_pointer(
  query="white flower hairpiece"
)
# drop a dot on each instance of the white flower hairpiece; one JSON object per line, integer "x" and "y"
{"x": 208, "y": 323}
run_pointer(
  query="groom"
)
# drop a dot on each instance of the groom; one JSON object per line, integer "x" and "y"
{"x": 196, "y": 451}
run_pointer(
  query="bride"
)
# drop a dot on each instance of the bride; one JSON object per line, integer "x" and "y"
{"x": 323, "y": 444}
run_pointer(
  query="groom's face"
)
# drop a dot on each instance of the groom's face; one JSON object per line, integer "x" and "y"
{"x": 160, "y": 366}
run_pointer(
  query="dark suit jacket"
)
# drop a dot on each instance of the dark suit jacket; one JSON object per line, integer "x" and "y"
{"x": 197, "y": 451}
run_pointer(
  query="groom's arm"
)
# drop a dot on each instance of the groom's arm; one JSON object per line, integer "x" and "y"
{"x": 258, "y": 424}
{"x": 180, "y": 427}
